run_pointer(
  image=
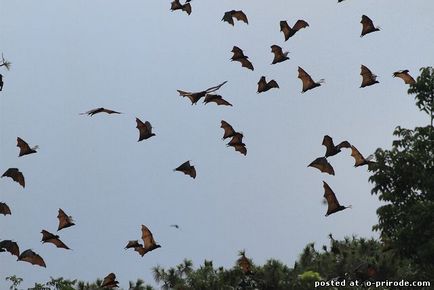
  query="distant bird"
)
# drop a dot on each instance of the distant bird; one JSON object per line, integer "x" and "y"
{"x": 32, "y": 258}
{"x": 332, "y": 201}
{"x": 16, "y": 176}
{"x": 244, "y": 264}
{"x": 367, "y": 26}
{"x": 196, "y": 96}
{"x": 237, "y": 143}
{"x": 323, "y": 165}
{"x": 229, "y": 131}
{"x": 175, "y": 226}
{"x": 239, "y": 56}
{"x": 4, "y": 209}
{"x": 237, "y": 14}
{"x": 149, "y": 243}
{"x": 1, "y": 82}
{"x": 5, "y": 63}
{"x": 288, "y": 31}
{"x": 10, "y": 246}
{"x": 100, "y": 110}
{"x": 216, "y": 99}
{"x": 145, "y": 130}
{"x": 48, "y": 237}
{"x": 264, "y": 86}
{"x": 25, "y": 148}
{"x": 307, "y": 81}
{"x": 359, "y": 159}
{"x": 339, "y": 1}
{"x": 405, "y": 76}
{"x": 187, "y": 169}
{"x": 331, "y": 148}
{"x": 110, "y": 281}
{"x": 176, "y": 5}
{"x": 65, "y": 221}
{"x": 279, "y": 55}
{"x": 133, "y": 244}
{"x": 368, "y": 78}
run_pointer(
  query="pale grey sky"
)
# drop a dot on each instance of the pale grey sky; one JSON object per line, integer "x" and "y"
{"x": 131, "y": 56}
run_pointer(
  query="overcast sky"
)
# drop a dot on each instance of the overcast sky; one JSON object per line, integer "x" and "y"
{"x": 131, "y": 56}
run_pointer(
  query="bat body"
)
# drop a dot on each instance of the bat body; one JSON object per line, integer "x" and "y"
{"x": 229, "y": 131}
{"x": 239, "y": 56}
{"x": 368, "y": 78}
{"x": 187, "y": 169}
{"x": 10, "y": 246}
{"x": 48, "y": 237}
{"x": 25, "y": 148}
{"x": 65, "y": 221}
{"x": 196, "y": 96}
{"x": 16, "y": 176}
{"x": 332, "y": 201}
{"x": 216, "y": 99}
{"x": 307, "y": 81}
{"x": 32, "y": 258}
{"x": 358, "y": 157}
{"x": 237, "y": 14}
{"x": 176, "y": 5}
{"x": 145, "y": 130}
{"x": 4, "y": 209}
{"x": 367, "y": 26}
{"x": 290, "y": 31}
{"x": 323, "y": 165}
{"x": 100, "y": 110}
{"x": 264, "y": 86}
{"x": 279, "y": 55}
{"x": 110, "y": 281}
{"x": 405, "y": 76}
{"x": 331, "y": 149}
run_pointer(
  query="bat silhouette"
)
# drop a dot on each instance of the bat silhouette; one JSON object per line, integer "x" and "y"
{"x": 323, "y": 165}
{"x": 187, "y": 169}
{"x": 1, "y": 82}
{"x": 216, "y": 99}
{"x": 176, "y": 5}
{"x": 331, "y": 149}
{"x": 175, "y": 226}
{"x": 368, "y": 78}
{"x": 239, "y": 56}
{"x": 367, "y": 26}
{"x": 237, "y": 14}
{"x": 308, "y": 82}
{"x": 133, "y": 244}
{"x": 110, "y": 281}
{"x": 288, "y": 31}
{"x": 237, "y": 143}
{"x": 244, "y": 264}
{"x": 65, "y": 221}
{"x": 10, "y": 246}
{"x": 25, "y": 148}
{"x": 405, "y": 76}
{"x": 279, "y": 55}
{"x": 32, "y": 258}
{"x": 16, "y": 176}
{"x": 99, "y": 110}
{"x": 264, "y": 86}
{"x": 5, "y": 63}
{"x": 4, "y": 209}
{"x": 196, "y": 96}
{"x": 332, "y": 201}
{"x": 359, "y": 159}
{"x": 48, "y": 237}
{"x": 149, "y": 243}
{"x": 229, "y": 131}
{"x": 145, "y": 130}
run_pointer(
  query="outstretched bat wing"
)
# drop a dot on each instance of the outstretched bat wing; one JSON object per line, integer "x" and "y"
{"x": 32, "y": 258}
{"x": 323, "y": 165}
{"x": 4, "y": 209}
{"x": 229, "y": 131}
{"x": 16, "y": 176}
{"x": 240, "y": 16}
{"x": 65, "y": 221}
{"x": 300, "y": 24}
{"x": 10, "y": 246}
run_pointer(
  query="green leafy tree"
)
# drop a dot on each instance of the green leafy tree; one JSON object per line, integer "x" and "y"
{"x": 15, "y": 282}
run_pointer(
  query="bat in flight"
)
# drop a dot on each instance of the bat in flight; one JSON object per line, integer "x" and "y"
{"x": 196, "y": 96}
{"x": 244, "y": 264}
{"x": 187, "y": 169}
{"x": 237, "y": 143}
{"x": 264, "y": 86}
{"x": 4, "y": 209}
{"x": 110, "y": 281}
{"x": 237, "y": 14}
{"x": 229, "y": 131}
{"x": 216, "y": 99}
{"x": 359, "y": 159}
{"x": 175, "y": 226}
{"x": 145, "y": 130}
{"x": 323, "y": 165}
{"x": 1, "y": 82}
{"x": 99, "y": 110}
{"x": 307, "y": 81}
{"x": 10, "y": 246}
{"x": 176, "y": 5}
{"x": 5, "y": 63}
{"x": 332, "y": 201}
{"x": 16, "y": 176}
{"x": 367, "y": 26}
{"x": 368, "y": 78}
{"x": 149, "y": 243}
{"x": 405, "y": 76}
{"x": 48, "y": 237}
{"x": 32, "y": 258}
{"x": 65, "y": 221}
{"x": 239, "y": 56}
{"x": 25, "y": 148}
{"x": 331, "y": 149}
{"x": 288, "y": 31}
{"x": 279, "y": 55}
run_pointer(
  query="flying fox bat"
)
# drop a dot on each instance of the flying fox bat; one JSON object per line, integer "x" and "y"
{"x": 48, "y": 237}
{"x": 308, "y": 82}
{"x": 25, "y": 148}
{"x": 368, "y": 78}
{"x": 244, "y": 264}
{"x": 32, "y": 258}
{"x": 237, "y": 143}
{"x": 10, "y": 246}
{"x": 239, "y": 56}
{"x": 323, "y": 165}
{"x": 196, "y": 96}
{"x": 405, "y": 76}
{"x": 264, "y": 86}
{"x": 4, "y": 209}
{"x": 5, "y": 63}
{"x": 331, "y": 148}
{"x": 145, "y": 130}
{"x": 99, "y": 110}
{"x": 288, "y": 31}
{"x": 187, "y": 169}
{"x": 176, "y": 5}
{"x": 237, "y": 14}
{"x": 175, "y": 226}
{"x": 359, "y": 159}
{"x": 367, "y": 26}
{"x": 149, "y": 243}
{"x": 279, "y": 55}
{"x": 65, "y": 221}
{"x": 16, "y": 176}
{"x": 229, "y": 131}
{"x": 332, "y": 201}
{"x": 110, "y": 281}
{"x": 216, "y": 99}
